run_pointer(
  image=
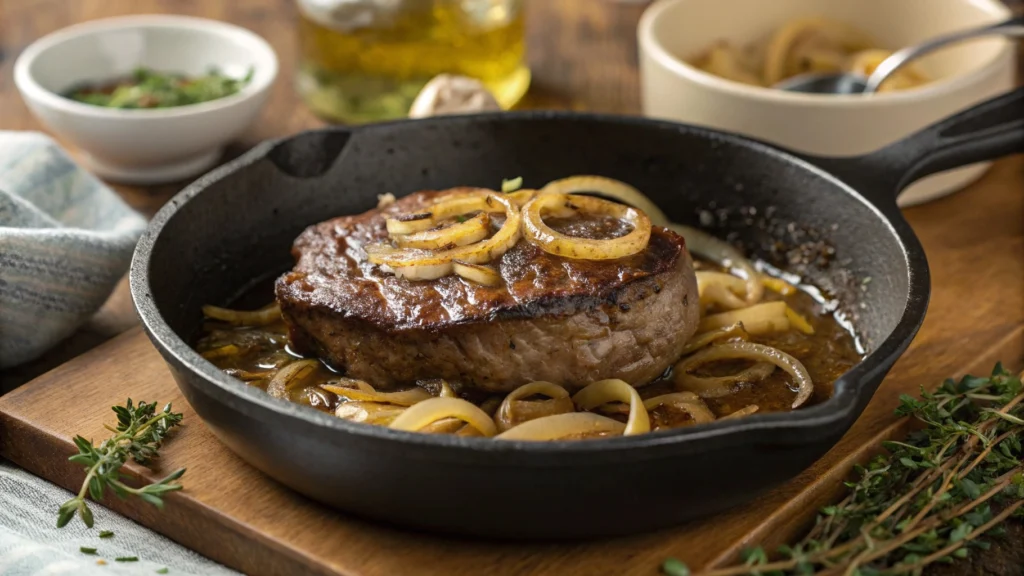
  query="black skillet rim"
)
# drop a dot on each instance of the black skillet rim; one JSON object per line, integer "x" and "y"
{"x": 833, "y": 411}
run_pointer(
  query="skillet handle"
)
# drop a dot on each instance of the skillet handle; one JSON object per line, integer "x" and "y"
{"x": 990, "y": 130}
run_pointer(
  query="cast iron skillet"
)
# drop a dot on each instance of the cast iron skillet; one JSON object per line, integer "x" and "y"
{"x": 235, "y": 226}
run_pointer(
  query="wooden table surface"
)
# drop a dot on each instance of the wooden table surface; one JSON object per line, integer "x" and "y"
{"x": 583, "y": 56}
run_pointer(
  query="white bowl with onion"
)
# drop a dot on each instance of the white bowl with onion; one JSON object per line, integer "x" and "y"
{"x": 674, "y": 36}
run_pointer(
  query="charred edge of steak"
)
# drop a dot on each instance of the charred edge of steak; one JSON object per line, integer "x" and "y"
{"x": 553, "y": 306}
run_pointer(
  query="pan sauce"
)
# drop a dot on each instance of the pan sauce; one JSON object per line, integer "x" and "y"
{"x": 760, "y": 344}
{"x": 826, "y": 354}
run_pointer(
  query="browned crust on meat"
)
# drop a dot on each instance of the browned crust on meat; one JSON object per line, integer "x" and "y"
{"x": 332, "y": 275}
{"x": 566, "y": 321}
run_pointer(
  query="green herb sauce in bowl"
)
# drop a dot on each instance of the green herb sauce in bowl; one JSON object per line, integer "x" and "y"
{"x": 147, "y": 88}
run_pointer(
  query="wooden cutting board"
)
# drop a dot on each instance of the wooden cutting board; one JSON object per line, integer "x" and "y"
{"x": 233, "y": 514}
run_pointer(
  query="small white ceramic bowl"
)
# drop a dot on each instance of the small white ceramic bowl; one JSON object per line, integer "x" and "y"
{"x": 671, "y": 32}
{"x": 145, "y": 146}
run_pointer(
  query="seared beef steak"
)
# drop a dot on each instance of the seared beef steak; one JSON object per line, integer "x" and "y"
{"x": 566, "y": 321}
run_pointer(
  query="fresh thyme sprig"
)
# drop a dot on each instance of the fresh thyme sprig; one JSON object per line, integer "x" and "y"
{"x": 929, "y": 499}
{"x": 140, "y": 430}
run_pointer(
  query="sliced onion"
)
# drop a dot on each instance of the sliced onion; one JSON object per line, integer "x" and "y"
{"x": 410, "y": 223}
{"x": 429, "y": 411}
{"x": 428, "y": 272}
{"x": 368, "y": 412}
{"x": 483, "y": 275}
{"x": 758, "y": 352}
{"x": 725, "y": 255}
{"x": 613, "y": 390}
{"x": 686, "y": 401}
{"x": 402, "y": 398}
{"x": 266, "y": 315}
{"x": 704, "y": 339}
{"x": 491, "y": 405}
{"x": 563, "y": 205}
{"x": 718, "y": 386}
{"x": 745, "y": 411}
{"x": 353, "y": 383}
{"x": 476, "y": 253}
{"x": 444, "y": 426}
{"x": 526, "y": 410}
{"x": 778, "y": 285}
{"x": 521, "y": 197}
{"x": 559, "y": 426}
{"x": 611, "y": 188}
{"x": 220, "y": 352}
{"x": 719, "y": 296}
{"x": 446, "y": 390}
{"x": 472, "y": 230}
{"x": 758, "y": 319}
{"x": 290, "y": 376}
{"x": 734, "y": 284}
{"x": 798, "y": 321}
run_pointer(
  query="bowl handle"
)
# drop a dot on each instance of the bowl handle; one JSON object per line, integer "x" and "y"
{"x": 990, "y": 130}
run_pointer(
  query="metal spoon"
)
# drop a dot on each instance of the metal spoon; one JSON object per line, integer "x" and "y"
{"x": 846, "y": 83}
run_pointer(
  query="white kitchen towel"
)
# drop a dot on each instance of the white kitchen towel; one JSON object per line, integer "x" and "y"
{"x": 32, "y": 545}
{"x": 65, "y": 241}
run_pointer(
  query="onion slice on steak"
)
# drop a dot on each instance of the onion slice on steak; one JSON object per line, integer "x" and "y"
{"x": 478, "y": 273}
{"x": 401, "y": 259}
{"x": 563, "y": 206}
{"x": 608, "y": 188}
{"x": 472, "y": 230}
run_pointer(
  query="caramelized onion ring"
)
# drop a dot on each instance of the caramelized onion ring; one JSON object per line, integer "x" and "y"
{"x": 403, "y": 398}
{"x": 267, "y": 315}
{"x": 287, "y": 377}
{"x": 613, "y": 390}
{"x": 718, "y": 386}
{"x": 759, "y": 319}
{"x": 745, "y": 411}
{"x": 476, "y": 253}
{"x": 472, "y": 230}
{"x": 410, "y": 223}
{"x": 563, "y": 205}
{"x": 427, "y": 412}
{"x": 368, "y": 412}
{"x": 758, "y": 352}
{"x": 687, "y": 401}
{"x": 702, "y": 340}
{"x": 611, "y": 188}
{"x": 505, "y": 419}
{"x": 725, "y": 255}
{"x": 477, "y": 273}
{"x": 563, "y": 425}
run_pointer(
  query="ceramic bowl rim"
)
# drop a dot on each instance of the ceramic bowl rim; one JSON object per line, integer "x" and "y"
{"x": 963, "y": 81}
{"x": 33, "y": 90}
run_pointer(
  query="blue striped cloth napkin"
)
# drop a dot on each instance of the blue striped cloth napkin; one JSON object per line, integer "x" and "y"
{"x": 65, "y": 241}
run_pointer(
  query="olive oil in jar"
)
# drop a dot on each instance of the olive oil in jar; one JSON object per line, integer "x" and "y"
{"x": 366, "y": 60}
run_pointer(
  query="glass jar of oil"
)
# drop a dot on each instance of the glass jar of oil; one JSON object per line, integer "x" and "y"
{"x": 366, "y": 60}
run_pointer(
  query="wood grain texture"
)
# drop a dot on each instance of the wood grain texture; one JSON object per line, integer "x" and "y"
{"x": 230, "y": 512}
